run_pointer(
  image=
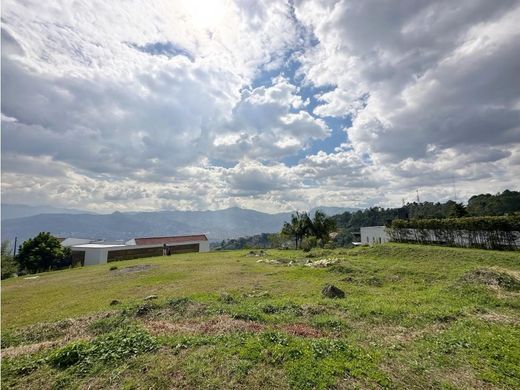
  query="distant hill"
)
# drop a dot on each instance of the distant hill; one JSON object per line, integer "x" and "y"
{"x": 21, "y": 210}
{"x": 217, "y": 225}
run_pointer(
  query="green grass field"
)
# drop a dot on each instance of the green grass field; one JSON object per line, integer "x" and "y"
{"x": 413, "y": 317}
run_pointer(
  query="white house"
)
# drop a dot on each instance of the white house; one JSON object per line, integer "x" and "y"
{"x": 92, "y": 252}
{"x": 374, "y": 235}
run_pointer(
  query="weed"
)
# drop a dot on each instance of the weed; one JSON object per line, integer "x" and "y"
{"x": 115, "y": 346}
{"x": 179, "y": 304}
{"x": 227, "y": 298}
{"x": 108, "y": 324}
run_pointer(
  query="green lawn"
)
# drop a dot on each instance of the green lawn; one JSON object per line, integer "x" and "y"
{"x": 413, "y": 317}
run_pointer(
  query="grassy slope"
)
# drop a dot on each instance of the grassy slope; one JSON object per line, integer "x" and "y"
{"x": 411, "y": 319}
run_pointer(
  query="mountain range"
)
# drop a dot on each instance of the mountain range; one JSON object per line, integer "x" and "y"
{"x": 216, "y": 224}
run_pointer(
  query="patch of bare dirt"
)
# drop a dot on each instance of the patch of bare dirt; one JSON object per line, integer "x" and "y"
{"x": 500, "y": 318}
{"x": 216, "y": 325}
{"x": 133, "y": 268}
{"x": 303, "y": 330}
{"x": 77, "y": 330}
{"x": 495, "y": 278}
{"x": 225, "y": 324}
{"x": 394, "y": 335}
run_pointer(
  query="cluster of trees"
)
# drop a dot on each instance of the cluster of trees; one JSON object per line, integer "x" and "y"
{"x": 258, "y": 241}
{"x": 41, "y": 253}
{"x": 316, "y": 231}
{"x": 508, "y": 202}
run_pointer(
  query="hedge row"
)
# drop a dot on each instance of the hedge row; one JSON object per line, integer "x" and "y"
{"x": 478, "y": 232}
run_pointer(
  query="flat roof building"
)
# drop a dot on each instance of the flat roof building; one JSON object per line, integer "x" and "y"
{"x": 92, "y": 252}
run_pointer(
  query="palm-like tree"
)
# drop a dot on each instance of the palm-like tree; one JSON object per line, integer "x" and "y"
{"x": 321, "y": 226}
{"x": 299, "y": 226}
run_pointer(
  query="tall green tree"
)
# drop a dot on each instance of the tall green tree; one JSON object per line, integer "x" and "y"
{"x": 456, "y": 210}
{"x": 297, "y": 228}
{"x": 9, "y": 266}
{"x": 321, "y": 226}
{"x": 42, "y": 253}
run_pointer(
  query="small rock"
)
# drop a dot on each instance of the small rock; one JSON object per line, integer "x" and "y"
{"x": 150, "y": 297}
{"x": 115, "y": 302}
{"x": 331, "y": 291}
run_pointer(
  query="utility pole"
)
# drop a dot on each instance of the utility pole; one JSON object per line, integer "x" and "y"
{"x": 14, "y": 249}
{"x": 418, "y": 199}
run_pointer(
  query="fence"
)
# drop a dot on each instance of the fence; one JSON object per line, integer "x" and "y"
{"x": 476, "y": 232}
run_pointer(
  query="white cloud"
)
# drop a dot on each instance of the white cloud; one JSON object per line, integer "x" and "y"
{"x": 151, "y": 105}
{"x": 267, "y": 124}
{"x": 415, "y": 74}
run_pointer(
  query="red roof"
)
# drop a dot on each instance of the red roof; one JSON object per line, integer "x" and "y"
{"x": 169, "y": 240}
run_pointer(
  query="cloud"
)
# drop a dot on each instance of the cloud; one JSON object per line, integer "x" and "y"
{"x": 196, "y": 105}
{"x": 268, "y": 123}
{"x": 417, "y": 74}
{"x": 144, "y": 118}
{"x": 252, "y": 178}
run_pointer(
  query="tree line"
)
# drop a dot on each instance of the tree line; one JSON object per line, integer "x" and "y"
{"x": 507, "y": 202}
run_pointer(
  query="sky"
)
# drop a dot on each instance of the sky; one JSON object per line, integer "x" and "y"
{"x": 268, "y": 105}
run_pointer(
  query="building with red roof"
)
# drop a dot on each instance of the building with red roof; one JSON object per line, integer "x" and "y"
{"x": 90, "y": 252}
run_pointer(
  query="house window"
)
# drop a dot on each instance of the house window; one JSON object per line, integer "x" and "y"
{"x": 367, "y": 239}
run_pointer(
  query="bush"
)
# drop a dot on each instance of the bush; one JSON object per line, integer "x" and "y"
{"x": 308, "y": 243}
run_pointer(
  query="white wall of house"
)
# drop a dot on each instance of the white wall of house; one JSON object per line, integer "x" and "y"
{"x": 203, "y": 246}
{"x": 98, "y": 253}
{"x": 374, "y": 235}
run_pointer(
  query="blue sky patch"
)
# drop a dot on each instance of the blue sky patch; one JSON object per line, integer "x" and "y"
{"x": 168, "y": 49}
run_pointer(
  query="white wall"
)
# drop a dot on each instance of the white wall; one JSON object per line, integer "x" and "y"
{"x": 203, "y": 246}
{"x": 95, "y": 256}
{"x": 374, "y": 235}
